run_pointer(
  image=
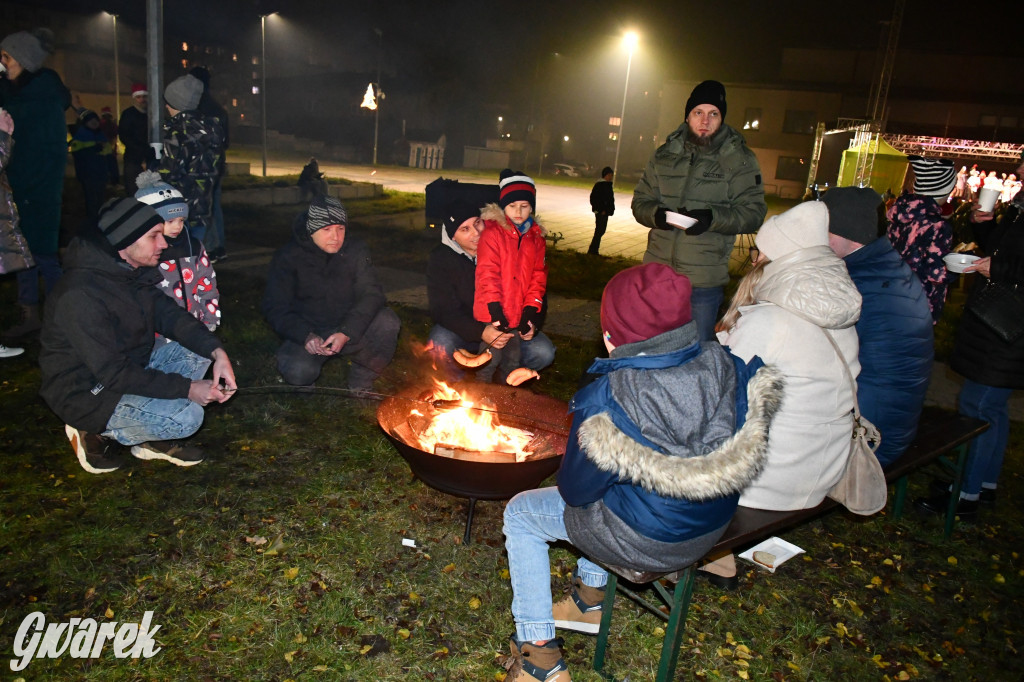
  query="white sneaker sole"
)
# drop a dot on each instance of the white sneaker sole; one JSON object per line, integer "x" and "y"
{"x": 578, "y": 626}
{"x": 79, "y": 447}
{"x": 145, "y": 453}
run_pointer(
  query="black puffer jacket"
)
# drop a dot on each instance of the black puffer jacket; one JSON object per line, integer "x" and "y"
{"x": 979, "y": 354}
{"x": 311, "y": 291}
{"x": 98, "y": 332}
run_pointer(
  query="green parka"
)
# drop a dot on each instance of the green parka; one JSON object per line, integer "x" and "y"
{"x": 724, "y": 177}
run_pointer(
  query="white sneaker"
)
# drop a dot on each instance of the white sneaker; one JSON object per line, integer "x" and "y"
{"x": 6, "y": 352}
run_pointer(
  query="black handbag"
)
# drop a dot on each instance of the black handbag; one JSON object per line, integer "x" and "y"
{"x": 1000, "y": 307}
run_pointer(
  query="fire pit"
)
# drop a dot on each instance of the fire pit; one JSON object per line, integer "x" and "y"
{"x": 529, "y": 437}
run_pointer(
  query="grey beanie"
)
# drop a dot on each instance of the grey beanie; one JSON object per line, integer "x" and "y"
{"x": 29, "y": 49}
{"x": 183, "y": 93}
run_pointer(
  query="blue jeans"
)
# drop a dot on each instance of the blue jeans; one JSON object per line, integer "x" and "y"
{"x": 533, "y": 519}
{"x": 138, "y": 419}
{"x": 28, "y": 280}
{"x": 704, "y": 304}
{"x": 443, "y": 342}
{"x": 985, "y": 454}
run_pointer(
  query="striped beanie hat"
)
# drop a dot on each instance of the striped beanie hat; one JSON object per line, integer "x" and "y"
{"x": 516, "y": 186}
{"x": 165, "y": 200}
{"x": 933, "y": 178}
{"x": 324, "y": 211}
{"x": 123, "y": 221}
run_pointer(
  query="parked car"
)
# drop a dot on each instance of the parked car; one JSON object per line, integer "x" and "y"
{"x": 566, "y": 170}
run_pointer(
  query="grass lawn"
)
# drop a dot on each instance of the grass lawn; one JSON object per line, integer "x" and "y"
{"x": 281, "y": 557}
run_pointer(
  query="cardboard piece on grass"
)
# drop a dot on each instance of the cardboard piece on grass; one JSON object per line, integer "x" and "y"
{"x": 782, "y": 550}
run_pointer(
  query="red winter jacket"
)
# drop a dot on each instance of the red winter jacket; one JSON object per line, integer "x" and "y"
{"x": 509, "y": 269}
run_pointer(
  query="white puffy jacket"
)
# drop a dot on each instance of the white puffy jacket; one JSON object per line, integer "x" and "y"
{"x": 810, "y": 437}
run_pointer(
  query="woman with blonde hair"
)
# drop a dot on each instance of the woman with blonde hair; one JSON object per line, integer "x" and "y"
{"x": 796, "y": 297}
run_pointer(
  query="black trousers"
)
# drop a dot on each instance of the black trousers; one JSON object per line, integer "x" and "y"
{"x": 600, "y": 225}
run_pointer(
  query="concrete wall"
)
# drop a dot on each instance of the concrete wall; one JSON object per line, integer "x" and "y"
{"x": 280, "y": 196}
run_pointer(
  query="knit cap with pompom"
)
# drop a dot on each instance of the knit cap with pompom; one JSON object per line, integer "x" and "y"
{"x": 165, "y": 200}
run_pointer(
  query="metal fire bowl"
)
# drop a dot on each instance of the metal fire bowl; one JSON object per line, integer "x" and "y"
{"x": 483, "y": 480}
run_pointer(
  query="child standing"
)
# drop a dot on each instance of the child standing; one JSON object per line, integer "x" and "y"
{"x": 512, "y": 277}
{"x": 188, "y": 275}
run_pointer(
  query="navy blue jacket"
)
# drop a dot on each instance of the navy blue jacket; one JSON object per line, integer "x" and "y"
{"x": 896, "y": 345}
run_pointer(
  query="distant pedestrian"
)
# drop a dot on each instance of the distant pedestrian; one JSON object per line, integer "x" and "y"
{"x": 311, "y": 181}
{"x": 91, "y": 152}
{"x": 36, "y": 99}
{"x": 133, "y": 131}
{"x": 109, "y": 127}
{"x": 602, "y": 203}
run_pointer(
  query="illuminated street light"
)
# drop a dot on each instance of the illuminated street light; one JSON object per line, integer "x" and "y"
{"x": 629, "y": 41}
{"x": 263, "y": 87}
{"x": 565, "y": 138}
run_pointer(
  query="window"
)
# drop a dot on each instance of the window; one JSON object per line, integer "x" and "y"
{"x": 800, "y": 122}
{"x": 255, "y": 89}
{"x": 615, "y": 121}
{"x": 613, "y": 136}
{"x": 752, "y": 119}
{"x": 234, "y": 101}
{"x": 234, "y": 57}
{"x": 987, "y": 120}
{"x": 791, "y": 168}
{"x": 184, "y": 64}
{"x": 255, "y": 60}
{"x": 184, "y": 47}
{"x": 1008, "y": 122}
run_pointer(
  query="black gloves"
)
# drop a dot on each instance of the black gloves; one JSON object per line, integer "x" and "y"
{"x": 703, "y": 216}
{"x": 659, "y": 219}
{"x": 498, "y": 315}
{"x": 530, "y": 315}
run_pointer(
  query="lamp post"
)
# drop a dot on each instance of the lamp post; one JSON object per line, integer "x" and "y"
{"x": 380, "y": 93}
{"x": 629, "y": 40}
{"x": 117, "y": 76}
{"x": 263, "y": 86}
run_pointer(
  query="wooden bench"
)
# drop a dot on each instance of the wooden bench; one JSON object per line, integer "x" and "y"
{"x": 942, "y": 437}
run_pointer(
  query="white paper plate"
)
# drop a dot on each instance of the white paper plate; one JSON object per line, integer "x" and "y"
{"x": 957, "y": 262}
{"x": 679, "y": 220}
{"x": 782, "y": 550}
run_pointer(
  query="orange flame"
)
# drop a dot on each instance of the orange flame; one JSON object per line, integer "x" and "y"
{"x": 471, "y": 429}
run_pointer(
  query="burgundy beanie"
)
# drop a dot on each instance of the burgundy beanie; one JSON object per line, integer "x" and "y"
{"x": 644, "y": 301}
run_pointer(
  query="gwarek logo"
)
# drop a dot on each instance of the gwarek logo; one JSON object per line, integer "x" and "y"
{"x": 81, "y": 638}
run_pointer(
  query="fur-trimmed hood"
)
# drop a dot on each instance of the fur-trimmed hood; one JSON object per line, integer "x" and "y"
{"x": 496, "y": 214}
{"x": 726, "y": 470}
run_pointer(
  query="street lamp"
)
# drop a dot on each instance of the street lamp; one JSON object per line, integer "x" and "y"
{"x": 117, "y": 77}
{"x": 263, "y": 87}
{"x": 380, "y": 93}
{"x": 629, "y": 40}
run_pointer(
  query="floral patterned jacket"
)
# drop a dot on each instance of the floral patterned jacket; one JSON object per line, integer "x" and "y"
{"x": 923, "y": 237}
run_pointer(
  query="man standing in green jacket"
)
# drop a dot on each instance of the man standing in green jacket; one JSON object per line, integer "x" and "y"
{"x": 706, "y": 173}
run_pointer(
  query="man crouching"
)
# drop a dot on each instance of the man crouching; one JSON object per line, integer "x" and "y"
{"x": 100, "y": 371}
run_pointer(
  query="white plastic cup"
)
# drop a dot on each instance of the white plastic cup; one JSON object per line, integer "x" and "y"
{"x": 158, "y": 149}
{"x": 987, "y": 198}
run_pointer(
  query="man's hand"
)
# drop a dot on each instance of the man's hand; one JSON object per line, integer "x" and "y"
{"x": 703, "y": 216}
{"x": 982, "y": 265}
{"x": 494, "y": 337}
{"x": 334, "y": 343}
{"x": 314, "y": 345}
{"x": 205, "y": 391}
{"x": 223, "y": 375}
{"x": 979, "y": 216}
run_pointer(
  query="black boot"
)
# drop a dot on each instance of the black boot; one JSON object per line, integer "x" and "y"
{"x": 967, "y": 510}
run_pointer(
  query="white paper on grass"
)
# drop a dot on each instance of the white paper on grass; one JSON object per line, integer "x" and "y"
{"x": 679, "y": 220}
{"x": 782, "y": 550}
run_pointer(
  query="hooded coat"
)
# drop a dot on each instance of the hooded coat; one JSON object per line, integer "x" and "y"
{"x": 36, "y": 101}
{"x": 14, "y": 252}
{"x": 660, "y": 446}
{"x": 800, "y": 295}
{"x": 98, "y": 333}
{"x": 510, "y": 267}
{"x": 312, "y": 291}
{"x": 451, "y": 285}
{"x": 724, "y": 177}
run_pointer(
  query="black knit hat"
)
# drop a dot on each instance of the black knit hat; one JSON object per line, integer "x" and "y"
{"x": 458, "y": 212}
{"x": 516, "y": 186}
{"x": 708, "y": 92}
{"x": 853, "y": 213}
{"x": 324, "y": 211}
{"x": 606, "y": 170}
{"x": 123, "y": 221}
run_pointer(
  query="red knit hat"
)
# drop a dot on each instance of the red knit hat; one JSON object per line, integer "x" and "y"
{"x": 644, "y": 301}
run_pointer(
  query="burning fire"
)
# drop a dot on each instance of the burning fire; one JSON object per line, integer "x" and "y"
{"x": 462, "y": 427}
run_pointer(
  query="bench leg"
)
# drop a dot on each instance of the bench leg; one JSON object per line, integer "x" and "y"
{"x": 606, "y": 621}
{"x": 959, "y": 469}
{"x": 676, "y": 624}
{"x": 901, "y": 497}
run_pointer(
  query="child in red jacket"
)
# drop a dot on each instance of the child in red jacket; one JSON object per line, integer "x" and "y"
{"x": 512, "y": 277}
